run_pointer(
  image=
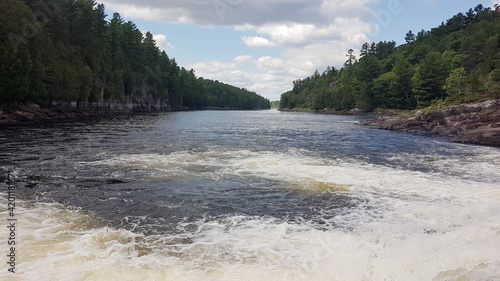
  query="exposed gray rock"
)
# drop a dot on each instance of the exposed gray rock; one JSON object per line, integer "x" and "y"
{"x": 469, "y": 123}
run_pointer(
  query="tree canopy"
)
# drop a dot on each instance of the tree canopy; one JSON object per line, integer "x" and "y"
{"x": 69, "y": 50}
{"x": 457, "y": 62}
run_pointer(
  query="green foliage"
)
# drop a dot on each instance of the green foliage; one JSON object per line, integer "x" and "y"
{"x": 428, "y": 81}
{"x": 61, "y": 50}
{"x": 403, "y": 72}
{"x": 456, "y": 83}
{"x": 457, "y": 62}
{"x": 385, "y": 90}
{"x": 16, "y": 61}
{"x": 410, "y": 37}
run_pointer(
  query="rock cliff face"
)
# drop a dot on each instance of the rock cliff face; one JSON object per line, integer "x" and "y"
{"x": 470, "y": 123}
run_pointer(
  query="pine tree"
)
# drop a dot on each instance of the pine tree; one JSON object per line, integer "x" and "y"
{"x": 429, "y": 79}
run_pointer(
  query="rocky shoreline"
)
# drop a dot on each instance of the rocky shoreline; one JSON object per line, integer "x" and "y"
{"x": 30, "y": 113}
{"x": 468, "y": 123}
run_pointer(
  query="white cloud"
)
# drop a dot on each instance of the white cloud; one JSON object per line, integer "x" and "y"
{"x": 268, "y": 63}
{"x": 243, "y": 59}
{"x": 211, "y": 67}
{"x": 257, "y": 41}
{"x": 146, "y": 12}
{"x": 270, "y": 82}
{"x": 296, "y": 34}
{"x": 310, "y": 47}
{"x": 289, "y": 34}
{"x": 161, "y": 42}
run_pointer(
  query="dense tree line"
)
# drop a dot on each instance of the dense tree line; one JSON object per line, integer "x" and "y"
{"x": 68, "y": 50}
{"x": 457, "y": 62}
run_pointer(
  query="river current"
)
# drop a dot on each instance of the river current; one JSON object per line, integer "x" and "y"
{"x": 247, "y": 195}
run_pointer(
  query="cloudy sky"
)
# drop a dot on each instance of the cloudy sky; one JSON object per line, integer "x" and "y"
{"x": 263, "y": 45}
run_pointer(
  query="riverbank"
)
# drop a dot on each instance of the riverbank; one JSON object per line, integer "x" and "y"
{"x": 31, "y": 113}
{"x": 468, "y": 123}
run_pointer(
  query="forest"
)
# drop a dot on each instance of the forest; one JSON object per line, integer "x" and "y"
{"x": 457, "y": 62}
{"x": 70, "y": 51}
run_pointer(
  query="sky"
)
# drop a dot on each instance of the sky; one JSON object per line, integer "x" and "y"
{"x": 264, "y": 45}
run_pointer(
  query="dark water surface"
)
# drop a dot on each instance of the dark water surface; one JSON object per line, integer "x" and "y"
{"x": 220, "y": 194}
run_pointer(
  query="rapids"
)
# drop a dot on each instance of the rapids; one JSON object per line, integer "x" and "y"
{"x": 247, "y": 195}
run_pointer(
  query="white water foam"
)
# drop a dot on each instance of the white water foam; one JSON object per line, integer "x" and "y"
{"x": 316, "y": 174}
{"x": 410, "y": 226}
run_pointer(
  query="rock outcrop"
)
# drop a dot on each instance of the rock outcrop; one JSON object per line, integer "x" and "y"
{"x": 468, "y": 123}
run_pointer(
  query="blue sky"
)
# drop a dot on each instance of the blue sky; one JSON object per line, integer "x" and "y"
{"x": 263, "y": 45}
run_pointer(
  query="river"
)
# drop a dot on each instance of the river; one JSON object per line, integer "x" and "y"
{"x": 246, "y": 195}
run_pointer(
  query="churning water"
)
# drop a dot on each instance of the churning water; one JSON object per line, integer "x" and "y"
{"x": 265, "y": 195}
